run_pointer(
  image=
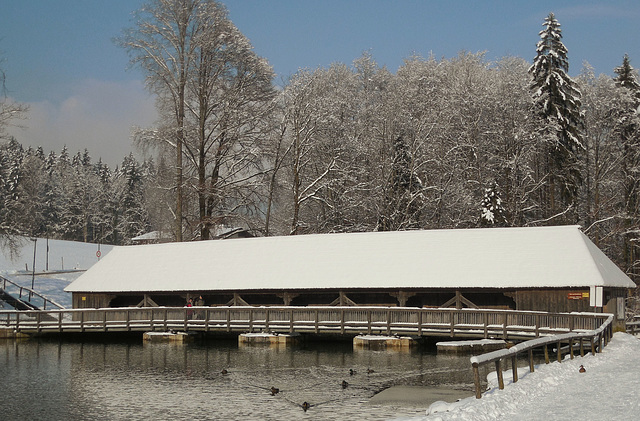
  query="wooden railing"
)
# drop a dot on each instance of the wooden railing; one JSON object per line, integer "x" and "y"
{"x": 597, "y": 338}
{"x": 633, "y": 326}
{"x": 472, "y": 323}
{"x": 27, "y": 292}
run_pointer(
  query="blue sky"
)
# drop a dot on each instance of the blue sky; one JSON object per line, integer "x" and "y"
{"x": 59, "y": 57}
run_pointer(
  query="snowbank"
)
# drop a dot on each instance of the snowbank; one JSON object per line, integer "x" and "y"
{"x": 558, "y": 391}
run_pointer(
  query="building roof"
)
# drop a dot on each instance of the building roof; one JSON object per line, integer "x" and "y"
{"x": 539, "y": 257}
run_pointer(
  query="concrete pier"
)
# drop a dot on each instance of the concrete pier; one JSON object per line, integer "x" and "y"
{"x": 378, "y": 342}
{"x": 271, "y": 339}
{"x": 11, "y": 334}
{"x": 470, "y": 347}
{"x": 173, "y": 337}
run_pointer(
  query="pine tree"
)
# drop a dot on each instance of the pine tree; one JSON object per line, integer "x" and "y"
{"x": 628, "y": 130}
{"x": 492, "y": 211}
{"x": 558, "y": 104}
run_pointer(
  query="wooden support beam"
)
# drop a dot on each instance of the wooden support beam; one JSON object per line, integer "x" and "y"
{"x": 402, "y": 297}
{"x": 459, "y": 300}
{"x": 237, "y": 301}
{"x": 287, "y": 297}
{"x": 147, "y": 302}
{"x": 342, "y": 301}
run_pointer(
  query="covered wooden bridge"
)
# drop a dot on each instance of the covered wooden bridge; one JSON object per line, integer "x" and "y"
{"x": 555, "y": 269}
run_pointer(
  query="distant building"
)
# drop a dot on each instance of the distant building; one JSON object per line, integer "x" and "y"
{"x": 220, "y": 232}
{"x": 554, "y": 269}
{"x": 153, "y": 237}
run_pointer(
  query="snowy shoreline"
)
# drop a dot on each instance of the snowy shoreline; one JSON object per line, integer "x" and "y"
{"x": 557, "y": 391}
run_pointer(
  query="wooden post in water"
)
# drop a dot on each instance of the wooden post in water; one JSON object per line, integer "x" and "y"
{"x": 531, "y": 367}
{"x": 581, "y": 347}
{"x": 514, "y": 368}
{"x": 593, "y": 346}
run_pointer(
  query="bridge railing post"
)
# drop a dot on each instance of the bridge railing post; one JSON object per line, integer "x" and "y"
{"x": 291, "y": 327}
{"x": 499, "y": 373}
{"x": 476, "y": 380}
{"x": 451, "y": 323}
{"x": 504, "y": 326}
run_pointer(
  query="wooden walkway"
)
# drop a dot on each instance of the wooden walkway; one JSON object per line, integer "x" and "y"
{"x": 465, "y": 323}
{"x": 596, "y": 338}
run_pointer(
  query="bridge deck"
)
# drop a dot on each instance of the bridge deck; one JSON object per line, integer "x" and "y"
{"x": 471, "y": 323}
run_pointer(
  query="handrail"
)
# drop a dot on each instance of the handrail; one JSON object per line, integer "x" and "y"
{"x": 475, "y": 323}
{"x": 598, "y": 338}
{"x": 44, "y": 299}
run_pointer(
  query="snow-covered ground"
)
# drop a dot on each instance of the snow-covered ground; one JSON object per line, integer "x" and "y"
{"x": 608, "y": 390}
{"x": 60, "y": 256}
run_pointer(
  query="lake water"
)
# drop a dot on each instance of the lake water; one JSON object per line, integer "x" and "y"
{"x": 52, "y": 380}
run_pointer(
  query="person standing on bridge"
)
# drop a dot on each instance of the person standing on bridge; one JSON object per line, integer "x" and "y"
{"x": 189, "y": 304}
{"x": 199, "y": 303}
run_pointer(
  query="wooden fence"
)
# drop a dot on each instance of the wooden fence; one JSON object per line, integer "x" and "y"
{"x": 471, "y": 323}
{"x": 597, "y": 338}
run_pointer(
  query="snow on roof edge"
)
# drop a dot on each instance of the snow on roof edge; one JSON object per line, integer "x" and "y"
{"x": 452, "y": 258}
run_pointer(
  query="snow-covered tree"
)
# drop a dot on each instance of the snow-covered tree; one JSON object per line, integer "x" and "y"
{"x": 557, "y": 98}
{"x": 10, "y": 111}
{"x": 628, "y": 129}
{"x": 213, "y": 93}
{"x": 492, "y": 212}
{"x": 405, "y": 195}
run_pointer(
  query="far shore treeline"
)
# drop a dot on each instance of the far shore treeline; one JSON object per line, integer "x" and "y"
{"x": 441, "y": 143}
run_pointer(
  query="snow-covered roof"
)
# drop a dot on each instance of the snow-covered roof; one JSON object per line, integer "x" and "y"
{"x": 462, "y": 258}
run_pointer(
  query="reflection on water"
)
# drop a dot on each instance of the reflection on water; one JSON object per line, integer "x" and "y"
{"x": 77, "y": 381}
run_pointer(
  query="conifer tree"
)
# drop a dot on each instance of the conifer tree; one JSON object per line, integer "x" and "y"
{"x": 492, "y": 211}
{"x": 557, "y": 100}
{"x": 628, "y": 130}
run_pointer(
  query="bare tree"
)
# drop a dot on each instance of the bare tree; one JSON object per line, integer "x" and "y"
{"x": 163, "y": 44}
{"x": 212, "y": 90}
